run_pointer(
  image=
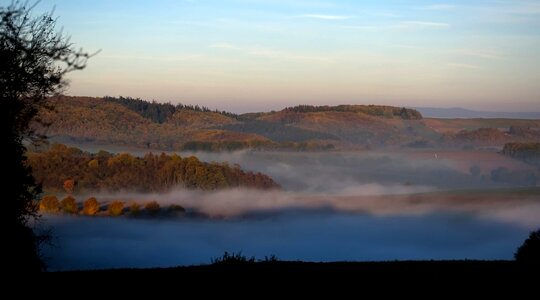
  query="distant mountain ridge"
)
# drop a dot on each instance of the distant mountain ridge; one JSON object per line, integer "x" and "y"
{"x": 462, "y": 113}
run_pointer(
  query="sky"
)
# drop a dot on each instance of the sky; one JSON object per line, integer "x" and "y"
{"x": 258, "y": 55}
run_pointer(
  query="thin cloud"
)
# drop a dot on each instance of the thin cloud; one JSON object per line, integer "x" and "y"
{"x": 407, "y": 47}
{"x": 463, "y": 66}
{"x": 185, "y": 57}
{"x": 360, "y": 27}
{"x": 442, "y": 6}
{"x": 269, "y": 53}
{"x": 421, "y": 24}
{"x": 325, "y": 17}
{"x": 479, "y": 54}
{"x": 525, "y": 9}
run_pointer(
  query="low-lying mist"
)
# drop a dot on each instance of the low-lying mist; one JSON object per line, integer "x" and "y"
{"x": 372, "y": 199}
{"x": 298, "y": 227}
{"x": 336, "y": 172}
{"x": 333, "y": 207}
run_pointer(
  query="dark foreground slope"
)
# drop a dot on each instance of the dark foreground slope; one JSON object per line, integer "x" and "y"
{"x": 419, "y": 274}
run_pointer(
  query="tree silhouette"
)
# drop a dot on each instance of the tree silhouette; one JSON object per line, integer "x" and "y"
{"x": 34, "y": 58}
{"x": 530, "y": 250}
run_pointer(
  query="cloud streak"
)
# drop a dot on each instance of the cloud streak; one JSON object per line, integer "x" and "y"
{"x": 463, "y": 66}
{"x": 442, "y": 6}
{"x": 421, "y": 24}
{"x": 270, "y": 53}
{"x": 324, "y": 17}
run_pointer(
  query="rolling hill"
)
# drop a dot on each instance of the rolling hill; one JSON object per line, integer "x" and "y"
{"x": 461, "y": 113}
{"x": 151, "y": 125}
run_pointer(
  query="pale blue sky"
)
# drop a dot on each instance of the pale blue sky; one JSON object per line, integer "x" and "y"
{"x": 246, "y": 55}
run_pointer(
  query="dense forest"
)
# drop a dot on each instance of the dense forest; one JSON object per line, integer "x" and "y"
{"x": 160, "y": 112}
{"x": 151, "y": 173}
{"x": 373, "y": 110}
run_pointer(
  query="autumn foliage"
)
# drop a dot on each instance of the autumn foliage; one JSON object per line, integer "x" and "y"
{"x": 90, "y": 206}
{"x": 151, "y": 173}
{"x": 116, "y": 208}
{"x": 69, "y": 186}
{"x": 69, "y": 205}
{"x": 49, "y": 203}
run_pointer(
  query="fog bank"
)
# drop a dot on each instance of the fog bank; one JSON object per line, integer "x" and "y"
{"x": 94, "y": 243}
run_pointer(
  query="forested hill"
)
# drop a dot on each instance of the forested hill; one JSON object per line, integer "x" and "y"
{"x": 151, "y": 173}
{"x": 160, "y": 112}
{"x": 151, "y": 125}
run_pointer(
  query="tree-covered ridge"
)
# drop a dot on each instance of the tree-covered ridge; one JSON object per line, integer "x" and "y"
{"x": 279, "y": 132}
{"x": 372, "y": 110}
{"x": 492, "y": 137}
{"x": 527, "y": 152}
{"x": 85, "y": 120}
{"x": 151, "y": 173}
{"x": 160, "y": 112}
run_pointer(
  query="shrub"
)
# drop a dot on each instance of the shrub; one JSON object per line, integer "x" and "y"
{"x": 90, "y": 206}
{"x": 69, "y": 205}
{"x": 116, "y": 208}
{"x": 232, "y": 259}
{"x": 175, "y": 208}
{"x": 152, "y": 207}
{"x": 49, "y": 203}
{"x": 135, "y": 209}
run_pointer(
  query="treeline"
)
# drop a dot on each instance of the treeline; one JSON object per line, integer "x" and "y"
{"x": 257, "y": 145}
{"x": 517, "y": 135}
{"x": 151, "y": 173}
{"x": 160, "y": 112}
{"x": 92, "y": 207}
{"x": 527, "y": 152}
{"x": 373, "y": 110}
{"x": 279, "y": 132}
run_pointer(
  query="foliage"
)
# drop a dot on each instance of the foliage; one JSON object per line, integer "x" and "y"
{"x": 480, "y": 136}
{"x": 527, "y": 152}
{"x": 279, "y": 132}
{"x": 227, "y": 145}
{"x": 90, "y": 206}
{"x": 69, "y": 185}
{"x": 49, "y": 203}
{"x": 69, "y": 205}
{"x": 373, "y": 110}
{"x": 134, "y": 208}
{"x": 151, "y": 173}
{"x": 175, "y": 209}
{"x": 232, "y": 259}
{"x": 530, "y": 250}
{"x": 34, "y": 58}
{"x": 160, "y": 112}
{"x": 152, "y": 207}
{"x": 116, "y": 208}
{"x": 95, "y": 120}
